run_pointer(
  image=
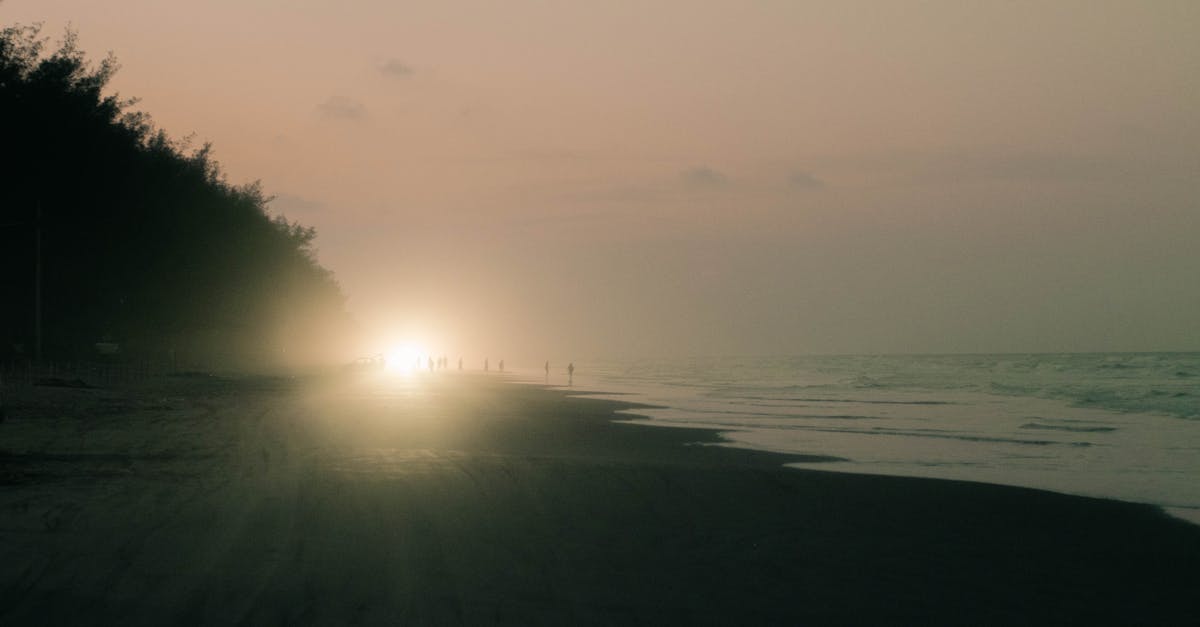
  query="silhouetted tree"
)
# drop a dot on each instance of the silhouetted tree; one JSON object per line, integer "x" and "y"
{"x": 143, "y": 240}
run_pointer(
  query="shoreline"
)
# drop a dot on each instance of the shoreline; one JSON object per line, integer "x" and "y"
{"x": 468, "y": 500}
{"x": 1186, "y": 513}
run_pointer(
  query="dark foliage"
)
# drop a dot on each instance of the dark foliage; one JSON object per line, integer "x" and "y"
{"x": 143, "y": 241}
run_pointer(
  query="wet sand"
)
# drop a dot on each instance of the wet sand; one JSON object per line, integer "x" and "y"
{"x": 465, "y": 500}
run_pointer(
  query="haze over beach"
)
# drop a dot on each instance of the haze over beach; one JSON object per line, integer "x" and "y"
{"x": 820, "y": 313}
{"x": 633, "y": 179}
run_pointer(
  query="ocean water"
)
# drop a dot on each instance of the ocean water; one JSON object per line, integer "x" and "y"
{"x": 1123, "y": 426}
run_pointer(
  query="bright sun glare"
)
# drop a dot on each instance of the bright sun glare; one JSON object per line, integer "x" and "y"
{"x": 403, "y": 358}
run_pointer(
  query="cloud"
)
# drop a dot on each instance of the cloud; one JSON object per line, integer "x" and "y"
{"x": 395, "y": 68}
{"x": 703, "y": 177}
{"x": 620, "y": 194}
{"x": 984, "y": 164}
{"x": 342, "y": 108}
{"x": 1020, "y": 166}
{"x": 804, "y": 180}
{"x": 551, "y": 156}
{"x": 282, "y": 142}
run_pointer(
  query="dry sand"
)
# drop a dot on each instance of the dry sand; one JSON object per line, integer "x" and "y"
{"x": 465, "y": 500}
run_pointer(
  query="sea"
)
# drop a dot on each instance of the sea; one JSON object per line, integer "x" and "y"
{"x": 1122, "y": 426}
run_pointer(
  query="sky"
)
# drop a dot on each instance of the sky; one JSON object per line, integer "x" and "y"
{"x": 578, "y": 180}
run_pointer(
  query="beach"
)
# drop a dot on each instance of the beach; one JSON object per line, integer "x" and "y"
{"x": 466, "y": 499}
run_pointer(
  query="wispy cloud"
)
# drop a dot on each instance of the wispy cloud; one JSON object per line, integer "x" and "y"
{"x": 804, "y": 180}
{"x": 1023, "y": 166}
{"x": 970, "y": 165}
{"x": 395, "y": 68}
{"x": 342, "y": 108}
{"x": 619, "y": 194}
{"x": 703, "y": 177}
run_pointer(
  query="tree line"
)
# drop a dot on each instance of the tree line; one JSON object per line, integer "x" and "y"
{"x": 115, "y": 237}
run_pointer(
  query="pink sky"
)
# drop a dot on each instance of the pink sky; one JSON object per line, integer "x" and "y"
{"x": 571, "y": 180}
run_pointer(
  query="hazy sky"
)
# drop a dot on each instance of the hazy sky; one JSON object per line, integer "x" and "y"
{"x": 579, "y": 179}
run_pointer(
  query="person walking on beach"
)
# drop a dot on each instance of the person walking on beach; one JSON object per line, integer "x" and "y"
{"x": 547, "y": 372}
{"x": 571, "y": 373}
{"x": 501, "y": 365}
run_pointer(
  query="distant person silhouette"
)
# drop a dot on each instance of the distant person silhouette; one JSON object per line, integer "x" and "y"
{"x": 571, "y": 373}
{"x": 485, "y": 364}
{"x": 460, "y": 363}
{"x": 501, "y": 365}
{"x": 431, "y": 364}
{"x": 547, "y": 371}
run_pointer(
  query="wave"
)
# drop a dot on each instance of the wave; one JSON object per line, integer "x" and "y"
{"x": 1038, "y": 425}
{"x": 803, "y": 399}
{"x": 887, "y": 431}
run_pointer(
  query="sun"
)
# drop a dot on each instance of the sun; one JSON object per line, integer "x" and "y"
{"x": 403, "y": 358}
